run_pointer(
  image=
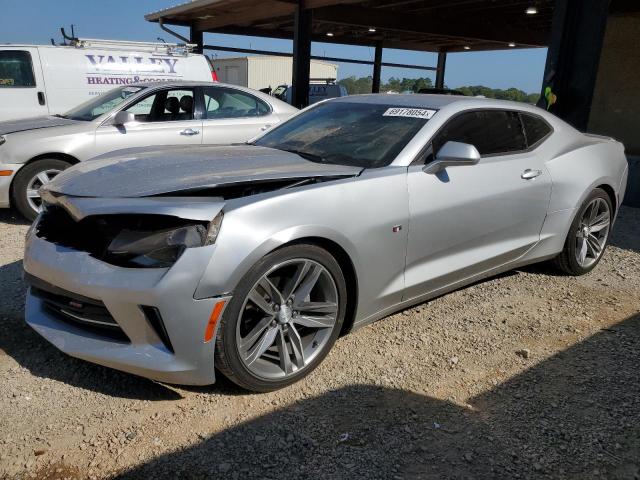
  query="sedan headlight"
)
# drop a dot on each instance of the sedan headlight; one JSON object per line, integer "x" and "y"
{"x": 161, "y": 248}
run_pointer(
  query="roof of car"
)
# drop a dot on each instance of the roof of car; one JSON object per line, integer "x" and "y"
{"x": 402, "y": 100}
{"x": 179, "y": 83}
{"x": 434, "y": 101}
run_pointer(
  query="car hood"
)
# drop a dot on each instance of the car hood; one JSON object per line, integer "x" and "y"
{"x": 35, "y": 123}
{"x": 142, "y": 173}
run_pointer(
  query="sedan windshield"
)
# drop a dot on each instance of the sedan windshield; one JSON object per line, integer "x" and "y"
{"x": 355, "y": 134}
{"x": 95, "y": 107}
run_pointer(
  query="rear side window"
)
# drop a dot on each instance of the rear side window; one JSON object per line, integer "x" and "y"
{"x": 16, "y": 69}
{"x": 535, "y": 128}
{"x": 490, "y": 131}
{"x": 222, "y": 103}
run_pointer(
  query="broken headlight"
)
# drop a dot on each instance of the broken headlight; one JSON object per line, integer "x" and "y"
{"x": 161, "y": 248}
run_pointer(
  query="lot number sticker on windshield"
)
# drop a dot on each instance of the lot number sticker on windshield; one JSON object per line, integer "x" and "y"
{"x": 409, "y": 112}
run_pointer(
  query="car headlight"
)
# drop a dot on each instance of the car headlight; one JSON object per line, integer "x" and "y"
{"x": 161, "y": 248}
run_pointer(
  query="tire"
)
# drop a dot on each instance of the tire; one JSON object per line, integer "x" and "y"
{"x": 236, "y": 355}
{"x": 568, "y": 261}
{"x": 27, "y": 180}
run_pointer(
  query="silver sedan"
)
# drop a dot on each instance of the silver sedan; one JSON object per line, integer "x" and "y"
{"x": 34, "y": 150}
{"x": 253, "y": 259}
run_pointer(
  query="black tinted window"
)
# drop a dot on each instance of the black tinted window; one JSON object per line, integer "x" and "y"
{"x": 16, "y": 69}
{"x": 535, "y": 128}
{"x": 490, "y": 131}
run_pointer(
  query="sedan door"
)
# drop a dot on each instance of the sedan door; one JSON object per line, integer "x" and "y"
{"x": 468, "y": 220}
{"x": 234, "y": 116}
{"x": 164, "y": 117}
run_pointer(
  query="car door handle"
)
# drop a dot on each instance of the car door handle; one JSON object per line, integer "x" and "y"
{"x": 529, "y": 174}
{"x": 188, "y": 132}
{"x": 41, "y": 98}
{"x": 265, "y": 127}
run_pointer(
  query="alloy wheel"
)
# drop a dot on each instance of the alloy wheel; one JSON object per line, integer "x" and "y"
{"x": 287, "y": 318}
{"x": 592, "y": 233}
{"x": 33, "y": 187}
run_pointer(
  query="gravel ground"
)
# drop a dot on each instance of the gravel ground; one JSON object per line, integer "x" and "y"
{"x": 527, "y": 375}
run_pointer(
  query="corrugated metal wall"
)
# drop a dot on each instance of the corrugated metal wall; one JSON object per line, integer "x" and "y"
{"x": 264, "y": 71}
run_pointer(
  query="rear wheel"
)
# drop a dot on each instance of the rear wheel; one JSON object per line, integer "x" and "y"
{"x": 26, "y": 186}
{"x": 588, "y": 235}
{"x": 285, "y": 316}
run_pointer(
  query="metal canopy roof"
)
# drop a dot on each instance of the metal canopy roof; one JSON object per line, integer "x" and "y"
{"x": 426, "y": 25}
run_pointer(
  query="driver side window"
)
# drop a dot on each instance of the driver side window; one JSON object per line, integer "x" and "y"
{"x": 164, "y": 106}
{"x": 492, "y": 132}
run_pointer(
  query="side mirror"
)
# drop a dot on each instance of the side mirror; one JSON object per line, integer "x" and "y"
{"x": 122, "y": 118}
{"x": 453, "y": 154}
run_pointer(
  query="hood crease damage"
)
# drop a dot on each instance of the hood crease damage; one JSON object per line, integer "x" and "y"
{"x": 227, "y": 171}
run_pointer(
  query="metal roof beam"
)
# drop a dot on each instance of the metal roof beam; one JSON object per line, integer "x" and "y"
{"x": 427, "y": 46}
{"x": 401, "y": 22}
{"x": 357, "y": 61}
{"x": 254, "y": 11}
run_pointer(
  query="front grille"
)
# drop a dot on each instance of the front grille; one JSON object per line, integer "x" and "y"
{"x": 94, "y": 234}
{"x": 86, "y": 313}
{"x": 88, "y": 235}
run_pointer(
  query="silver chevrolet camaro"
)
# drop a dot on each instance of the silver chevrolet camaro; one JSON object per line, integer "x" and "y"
{"x": 254, "y": 258}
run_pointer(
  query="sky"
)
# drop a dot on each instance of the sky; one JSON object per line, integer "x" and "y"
{"x": 37, "y": 21}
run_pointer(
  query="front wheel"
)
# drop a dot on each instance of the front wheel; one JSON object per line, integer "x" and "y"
{"x": 588, "y": 235}
{"x": 285, "y": 316}
{"x": 29, "y": 179}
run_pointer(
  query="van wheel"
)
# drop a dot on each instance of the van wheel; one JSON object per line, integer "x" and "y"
{"x": 25, "y": 192}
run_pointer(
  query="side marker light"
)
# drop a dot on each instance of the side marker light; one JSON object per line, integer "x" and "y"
{"x": 213, "y": 321}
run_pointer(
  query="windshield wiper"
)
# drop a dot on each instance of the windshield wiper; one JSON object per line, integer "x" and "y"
{"x": 306, "y": 155}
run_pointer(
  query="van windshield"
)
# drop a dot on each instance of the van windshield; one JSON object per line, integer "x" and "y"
{"x": 95, "y": 107}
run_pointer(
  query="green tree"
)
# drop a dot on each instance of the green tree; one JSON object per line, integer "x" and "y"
{"x": 421, "y": 83}
{"x": 362, "y": 85}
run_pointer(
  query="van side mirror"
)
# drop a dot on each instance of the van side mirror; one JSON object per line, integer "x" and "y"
{"x": 122, "y": 118}
{"x": 453, "y": 154}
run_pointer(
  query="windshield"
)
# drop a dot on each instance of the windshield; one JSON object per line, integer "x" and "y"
{"x": 355, "y": 134}
{"x": 100, "y": 105}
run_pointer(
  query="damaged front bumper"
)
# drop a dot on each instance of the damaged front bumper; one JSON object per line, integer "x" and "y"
{"x": 144, "y": 321}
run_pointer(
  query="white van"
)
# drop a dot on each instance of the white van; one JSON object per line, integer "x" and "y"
{"x": 37, "y": 80}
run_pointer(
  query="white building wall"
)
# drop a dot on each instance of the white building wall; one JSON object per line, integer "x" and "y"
{"x": 267, "y": 71}
{"x": 232, "y": 70}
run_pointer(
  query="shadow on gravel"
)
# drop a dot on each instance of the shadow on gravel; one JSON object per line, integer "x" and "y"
{"x": 626, "y": 232}
{"x": 42, "y": 359}
{"x": 11, "y": 217}
{"x": 575, "y": 415}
